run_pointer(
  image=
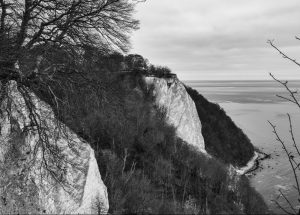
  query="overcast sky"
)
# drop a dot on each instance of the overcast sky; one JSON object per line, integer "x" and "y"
{"x": 219, "y": 39}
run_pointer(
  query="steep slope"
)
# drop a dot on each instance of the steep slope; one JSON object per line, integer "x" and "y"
{"x": 148, "y": 168}
{"x": 61, "y": 177}
{"x": 171, "y": 98}
{"x": 193, "y": 116}
{"x": 223, "y": 139}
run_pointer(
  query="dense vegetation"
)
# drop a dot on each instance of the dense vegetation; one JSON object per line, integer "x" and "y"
{"x": 55, "y": 48}
{"x": 223, "y": 138}
{"x": 145, "y": 167}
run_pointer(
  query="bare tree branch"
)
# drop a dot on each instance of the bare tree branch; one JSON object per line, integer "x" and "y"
{"x": 288, "y": 154}
{"x": 292, "y": 135}
{"x": 47, "y": 40}
{"x": 295, "y": 164}
{"x": 282, "y": 53}
{"x": 282, "y": 208}
{"x": 292, "y": 94}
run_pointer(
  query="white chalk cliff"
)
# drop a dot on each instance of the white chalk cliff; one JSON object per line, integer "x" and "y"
{"x": 61, "y": 177}
{"x": 172, "y": 97}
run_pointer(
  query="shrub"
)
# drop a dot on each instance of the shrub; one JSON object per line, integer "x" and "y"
{"x": 159, "y": 71}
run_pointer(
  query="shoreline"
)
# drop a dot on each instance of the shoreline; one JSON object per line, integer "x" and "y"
{"x": 254, "y": 163}
{"x": 261, "y": 156}
{"x": 249, "y": 165}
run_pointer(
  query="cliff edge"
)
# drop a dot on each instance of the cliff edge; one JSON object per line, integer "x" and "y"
{"x": 172, "y": 98}
{"x": 47, "y": 169}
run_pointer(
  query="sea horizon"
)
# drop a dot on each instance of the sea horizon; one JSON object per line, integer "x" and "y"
{"x": 251, "y": 104}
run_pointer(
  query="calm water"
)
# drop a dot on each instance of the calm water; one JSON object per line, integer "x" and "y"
{"x": 251, "y": 104}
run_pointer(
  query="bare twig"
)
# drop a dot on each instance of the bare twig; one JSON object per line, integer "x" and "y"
{"x": 289, "y": 203}
{"x": 292, "y": 94}
{"x": 287, "y": 153}
{"x": 282, "y": 53}
{"x": 283, "y": 209}
{"x": 294, "y": 164}
{"x": 292, "y": 135}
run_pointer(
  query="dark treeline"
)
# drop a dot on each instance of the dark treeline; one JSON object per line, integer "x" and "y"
{"x": 117, "y": 62}
{"x": 145, "y": 167}
{"x": 223, "y": 138}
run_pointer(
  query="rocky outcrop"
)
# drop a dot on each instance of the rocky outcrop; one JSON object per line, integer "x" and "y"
{"x": 180, "y": 111}
{"x": 45, "y": 168}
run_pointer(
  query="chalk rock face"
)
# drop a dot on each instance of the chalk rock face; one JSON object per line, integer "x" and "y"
{"x": 44, "y": 169}
{"x": 172, "y": 98}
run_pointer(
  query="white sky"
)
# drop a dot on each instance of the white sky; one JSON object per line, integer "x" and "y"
{"x": 219, "y": 39}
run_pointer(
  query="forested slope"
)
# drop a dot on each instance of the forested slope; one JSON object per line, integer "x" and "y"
{"x": 145, "y": 166}
{"x": 223, "y": 138}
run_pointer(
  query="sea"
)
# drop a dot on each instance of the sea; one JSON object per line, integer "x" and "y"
{"x": 252, "y": 105}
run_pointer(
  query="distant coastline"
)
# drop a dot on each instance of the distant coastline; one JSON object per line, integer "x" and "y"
{"x": 250, "y": 165}
{"x": 251, "y": 104}
{"x": 257, "y": 162}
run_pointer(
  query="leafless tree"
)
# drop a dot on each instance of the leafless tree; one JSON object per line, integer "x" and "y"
{"x": 68, "y": 24}
{"x": 41, "y": 40}
{"x": 293, "y": 154}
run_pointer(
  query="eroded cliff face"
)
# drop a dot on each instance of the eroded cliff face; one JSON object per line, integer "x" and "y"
{"x": 172, "y": 98}
{"x": 59, "y": 175}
